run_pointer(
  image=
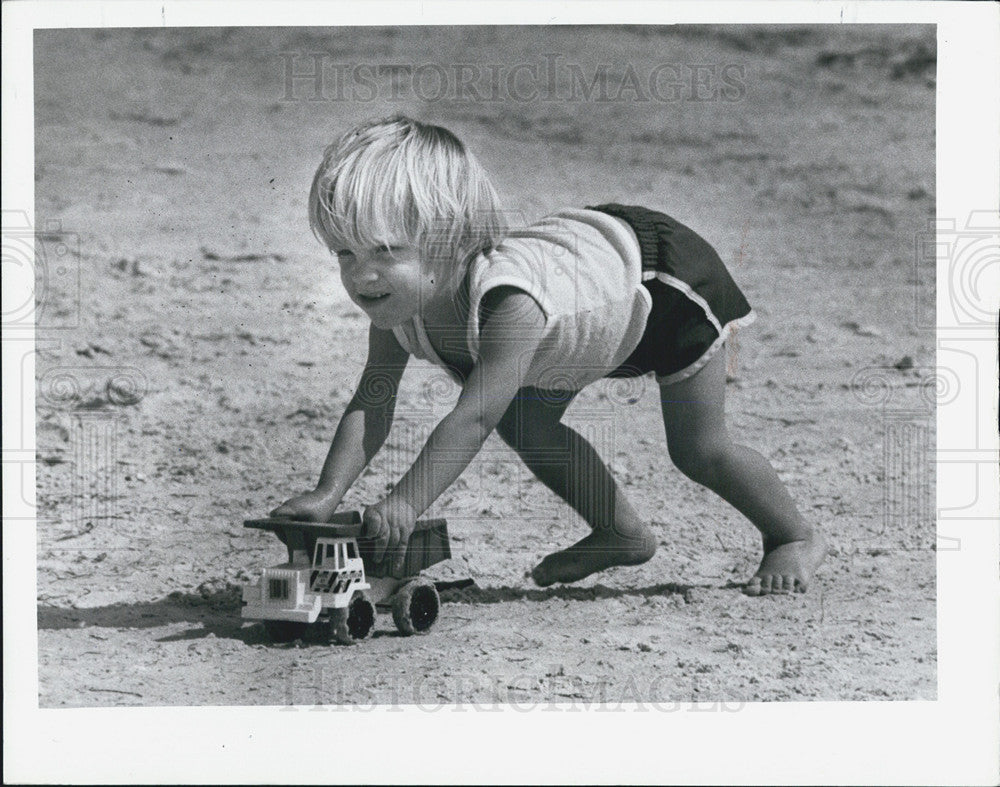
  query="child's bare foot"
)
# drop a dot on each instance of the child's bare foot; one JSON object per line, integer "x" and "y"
{"x": 788, "y": 567}
{"x": 598, "y": 551}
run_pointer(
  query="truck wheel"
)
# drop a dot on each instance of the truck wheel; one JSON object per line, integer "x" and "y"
{"x": 285, "y": 630}
{"x": 353, "y": 623}
{"x": 415, "y": 607}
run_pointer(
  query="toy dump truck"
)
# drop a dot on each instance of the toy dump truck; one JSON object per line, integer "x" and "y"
{"x": 331, "y": 580}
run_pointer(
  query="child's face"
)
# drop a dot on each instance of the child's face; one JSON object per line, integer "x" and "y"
{"x": 390, "y": 282}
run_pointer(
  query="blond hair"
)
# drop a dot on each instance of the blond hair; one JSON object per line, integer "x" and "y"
{"x": 400, "y": 178}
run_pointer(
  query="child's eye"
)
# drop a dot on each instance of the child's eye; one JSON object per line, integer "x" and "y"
{"x": 344, "y": 253}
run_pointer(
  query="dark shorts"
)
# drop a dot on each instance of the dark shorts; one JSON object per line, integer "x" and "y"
{"x": 696, "y": 303}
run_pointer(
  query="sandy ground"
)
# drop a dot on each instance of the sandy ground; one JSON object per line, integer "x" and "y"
{"x": 192, "y": 375}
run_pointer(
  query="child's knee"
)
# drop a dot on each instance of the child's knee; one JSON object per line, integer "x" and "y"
{"x": 701, "y": 461}
{"x": 533, "y": 441}
{"x": 507, "y": 431}
{"x": 517, "y": 434}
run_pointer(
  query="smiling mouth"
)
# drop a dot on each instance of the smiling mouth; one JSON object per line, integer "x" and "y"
{"x": 371, "y": 299}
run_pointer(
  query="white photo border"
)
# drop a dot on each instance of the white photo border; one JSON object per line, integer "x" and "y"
{"x": 953, "y": 740}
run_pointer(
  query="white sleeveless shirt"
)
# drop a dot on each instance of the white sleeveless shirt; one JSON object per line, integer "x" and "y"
{"x": 583, "y": 269}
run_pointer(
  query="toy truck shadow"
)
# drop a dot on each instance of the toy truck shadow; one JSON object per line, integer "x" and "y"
{"x": 331, "y": 581}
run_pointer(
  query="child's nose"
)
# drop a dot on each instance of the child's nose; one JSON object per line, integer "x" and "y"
{"x": 363, "y": 271}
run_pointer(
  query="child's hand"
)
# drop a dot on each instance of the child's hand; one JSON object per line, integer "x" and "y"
{"x": 390, "y": 523}
{"x": 313, "y": 506}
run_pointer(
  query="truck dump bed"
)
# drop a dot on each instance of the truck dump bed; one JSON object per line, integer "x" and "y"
{"x": 428, "y": 544}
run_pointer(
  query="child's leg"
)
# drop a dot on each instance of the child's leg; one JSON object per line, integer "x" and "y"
{"x": 568, "y": 465}
{"x": 700, "y": 446}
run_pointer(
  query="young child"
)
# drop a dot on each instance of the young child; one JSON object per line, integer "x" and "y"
{"x": 525, "y": 319}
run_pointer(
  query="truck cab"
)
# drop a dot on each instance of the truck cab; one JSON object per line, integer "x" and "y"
{"x": 336, "y": 566}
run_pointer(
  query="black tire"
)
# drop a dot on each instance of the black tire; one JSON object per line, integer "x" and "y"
{"x": 353, "y": 623}
{"x": 415, "y": 607}
{"x": 285, "y": 630}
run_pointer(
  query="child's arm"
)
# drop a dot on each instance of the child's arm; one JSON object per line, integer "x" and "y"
{"x": 511, "y": 331}
{"x": 361, "y": 432}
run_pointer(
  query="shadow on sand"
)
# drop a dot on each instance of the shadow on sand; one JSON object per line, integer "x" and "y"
{"x": 499, "y": 595}
{"x": 217, "y": 612}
